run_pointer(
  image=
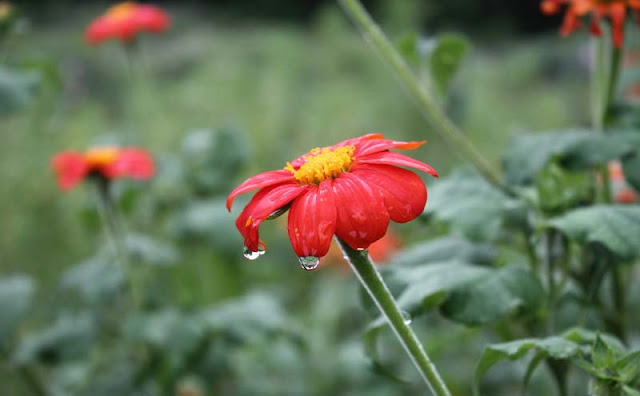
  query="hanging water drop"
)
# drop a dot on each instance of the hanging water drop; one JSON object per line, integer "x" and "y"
{"x": 309, "y": 263}
{"x": 407, "y": 317}
{"x": 251, "y": 255}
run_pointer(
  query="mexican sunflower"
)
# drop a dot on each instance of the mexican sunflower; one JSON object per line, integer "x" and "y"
{"x": 615, "y": 10}
{"x": 72, "y": 167}
{"x": 125, "y": 20}
{"x": 351, "y": 189}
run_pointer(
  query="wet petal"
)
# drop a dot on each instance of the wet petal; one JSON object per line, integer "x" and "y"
{"x": 261, "y": 180}
{"x": 389, "y": 158}
{"x": 405, "y": 194}
{"x": 265, "y": 202}
{"x": 362, "y": 215}
{"x": 70, "y": 167}
{"x": 312, "y": 220}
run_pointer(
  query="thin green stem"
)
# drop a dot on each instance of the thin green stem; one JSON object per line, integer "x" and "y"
{"x": 116, "y": 234}
{"x": 619, "y": 301}
{"x": 377, "y": 289}
{"x": 427, "y": 102}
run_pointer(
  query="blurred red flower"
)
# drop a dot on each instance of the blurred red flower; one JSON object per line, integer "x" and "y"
{"x": 72, "y": 167}
{"x": 615, "y": 10}
{"x": 125, "y": 20}
{"x": 351, "y": 189}
{"x": 622, "y": 191}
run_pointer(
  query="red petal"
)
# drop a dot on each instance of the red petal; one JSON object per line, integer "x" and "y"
{"x": 377, "y": 145}
{"x": 70, "y": 167}
{"x": 405, "y": 194}
{"x": 132, "y": 162}
{"x": 261, "y": 180}
{"x": 312, "y": 220}
{"x": 265, "y": 202}
{"x": 362, "y": 215}
{"x": 389, "y": 158}
{"x": 618, "y": 15}
{"x": 570, "y": 23}
{"x": 151, "y": 18}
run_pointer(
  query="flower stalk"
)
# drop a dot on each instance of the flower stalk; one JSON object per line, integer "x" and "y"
{"x": 427, "y": 102}
{"x": 115, "y": 233}
{"x": 371, "y": 280}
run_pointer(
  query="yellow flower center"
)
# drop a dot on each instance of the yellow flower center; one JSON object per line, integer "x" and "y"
{"x": 121, "y": 11}
{"x": 323, "y": 163}
{"x": 99, "y": 156}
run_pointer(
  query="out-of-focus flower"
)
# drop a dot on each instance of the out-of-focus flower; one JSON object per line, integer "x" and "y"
{"x": 615, "y": 10}
{"x": 72, "y": 167}
{"x": 620, "y": 188}
{"x": 124, "y": 21}
{"x": 351, "y": 189}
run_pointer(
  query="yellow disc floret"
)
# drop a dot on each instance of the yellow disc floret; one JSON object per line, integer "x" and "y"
{"x": 322, "y": 164}
{"x": 98, "y": 156}
{"x": 122, "y": 10}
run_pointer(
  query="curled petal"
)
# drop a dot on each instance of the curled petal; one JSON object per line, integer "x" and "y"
{"x": 378, "y": 145}
{"x": 389, "y": 158}
{"x": 404, "y": 193}
{"x": 312, "y": 220}
{"x": 362, "y": 215}
{"x": 265, "y": 202}
{"x": 261, "y": 180}
{"x": 131, "y": 162}
{"x": 70, "y": 167}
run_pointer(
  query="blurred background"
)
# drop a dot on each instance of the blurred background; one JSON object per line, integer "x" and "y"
{"x": 231, "y": 89}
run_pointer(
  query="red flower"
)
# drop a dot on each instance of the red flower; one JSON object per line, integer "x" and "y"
{"x": 125, "y": 20}
{"x": 72, "y": 167}
{"x": 351, "y": 190}
{"x": 616, "y": 10}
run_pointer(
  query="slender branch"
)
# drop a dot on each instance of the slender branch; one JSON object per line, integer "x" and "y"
{"x": 425, "y": 100}
{"x": 371, "y": 280}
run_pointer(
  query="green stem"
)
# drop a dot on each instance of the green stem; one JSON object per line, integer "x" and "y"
{"x": 116, "y": 233}
{"x": 619, "y": 301}
{"x": 428, "y": 103}
{"x": 377, "y": 289}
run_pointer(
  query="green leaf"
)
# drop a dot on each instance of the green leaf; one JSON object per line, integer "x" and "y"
{"x": 446, "y": 58}
{"x": 617, "y": 227}
{"x": 494, "y": 295}
{"x": 208, "y": 220}
{"x": 469, "y": 205}
{"x": 214, "y": 158}
{"x": 17, "y": 89}
{"x": 97, "y": 279}
{"x": 143, "y": 248}
{"x": 527, "y": 154}
{"x": 559, "y": 189}
{"x": 601, "y": 355}
{"x": 629, "y": 391}
{"x": 69, "y": 337}
{"x": 247, "y": 317}
{"x": 628, "y": 367}
{"x": 554, "y": 347}
{"x": 449, "y": 248}
{"x": 408, "y": 47}
{"x": 16, "y": 295}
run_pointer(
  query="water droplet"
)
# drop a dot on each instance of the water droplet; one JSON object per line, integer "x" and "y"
{"x": 251, "y": 255}
{"x": 407, "y": 317}
{"x": 309, "y": 263}
{"x": 360, "y": 249}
